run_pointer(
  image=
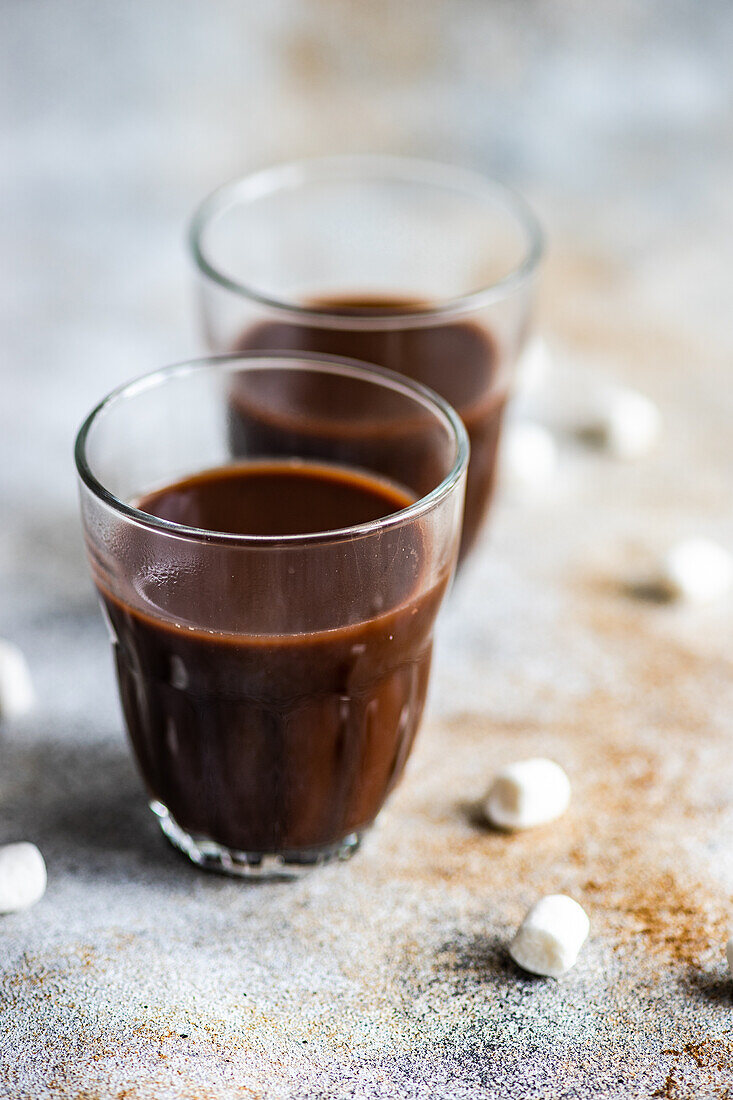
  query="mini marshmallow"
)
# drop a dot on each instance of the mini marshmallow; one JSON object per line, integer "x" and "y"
{"x": 729, "y": 954}
{"x": 624, "y": 422}
{"x": 696, "y": 570}
{"x": 527, "y": 793}
{"x": 534, "y": 366}
{"x": 550, "y": 936}
{"x": 22, "y": 877}
{"x": 16, "y": 687}
{"x": 528, "y": 457}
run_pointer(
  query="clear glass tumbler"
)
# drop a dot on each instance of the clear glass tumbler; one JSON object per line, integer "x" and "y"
{"x": 425, "y": 269}
{"x": 272, "y": 684}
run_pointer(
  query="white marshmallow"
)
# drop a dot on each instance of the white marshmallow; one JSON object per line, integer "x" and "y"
{"x": 624, "y": 422}
{"x": 697, "y": 570}
{"x": 534, "y": 366}
{"x": 22, "y": 876}
{"x": 16, "y": 687}
{"x": 528, "y": 458}
{"x": 550, "y": 936}
{"x": 527, "y": 793}
{"x": 729, "y": 954}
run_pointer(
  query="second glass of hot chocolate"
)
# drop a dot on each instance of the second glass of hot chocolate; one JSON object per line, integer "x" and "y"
{"x": 424, "y": 269}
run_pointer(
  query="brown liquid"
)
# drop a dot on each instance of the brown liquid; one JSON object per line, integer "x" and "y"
{"x": 458, "y": 359}
{"x": 277, "y": 741}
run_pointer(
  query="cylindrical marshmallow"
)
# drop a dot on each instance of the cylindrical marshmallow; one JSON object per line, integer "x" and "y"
{"x": 697, "y": 570}
{"x": 22, "y": 876}
{"x": 550, "y": 936}
{"x": 16, "y": 687}
{"x": 527, "y": 793}
{"x": 622, "y": 421}
{"x": 528, "y": 459}
{"x": 534, "y": 366}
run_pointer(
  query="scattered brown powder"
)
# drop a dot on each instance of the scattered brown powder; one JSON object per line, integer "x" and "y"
{"x": 635, "y": 764}
{"x": 686, "y": 1082}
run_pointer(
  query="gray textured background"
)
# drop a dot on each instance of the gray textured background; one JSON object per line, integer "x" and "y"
{"x": 138, "y": 976}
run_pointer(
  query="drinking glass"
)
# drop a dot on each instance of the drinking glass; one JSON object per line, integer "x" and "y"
{"x": 426, "y": 269}
{"x": 272, "y": 685}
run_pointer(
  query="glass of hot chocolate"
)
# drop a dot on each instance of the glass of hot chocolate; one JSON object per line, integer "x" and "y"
{"x": 425, "y": 269}
{"x": 271, "y": 538}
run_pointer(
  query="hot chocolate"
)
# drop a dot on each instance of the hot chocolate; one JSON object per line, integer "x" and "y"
{"x": 458, "y": 359}
{"x": 275, "y": 742}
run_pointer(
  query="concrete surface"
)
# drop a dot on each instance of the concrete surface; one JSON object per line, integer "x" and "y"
{"x": 138, "y": 976}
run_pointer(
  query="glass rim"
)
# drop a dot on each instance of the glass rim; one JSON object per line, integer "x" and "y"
{"x": 294, "y": 174}
{"x": 227, "y": 364}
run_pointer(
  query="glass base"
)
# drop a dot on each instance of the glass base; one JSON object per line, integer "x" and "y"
{"x": 255, "y": 865}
